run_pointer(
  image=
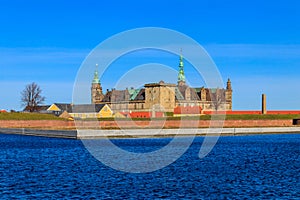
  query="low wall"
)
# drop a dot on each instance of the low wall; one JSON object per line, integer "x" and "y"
{"x": 259, "y": 123}
{"x": 44, "y": 124}
{"x": 150, "y": 133}
{"x": 256, "y": 112}
{"x": 52, "y": 124}
{"x": 37, "y": 132}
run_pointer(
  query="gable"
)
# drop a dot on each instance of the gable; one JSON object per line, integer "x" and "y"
{"x": 105, "y": 112}
{"x": 105, "y": 109}
{"x": 53, "y": 107}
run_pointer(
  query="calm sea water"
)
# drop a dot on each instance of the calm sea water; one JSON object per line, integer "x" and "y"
{"x": 264, "y": 166}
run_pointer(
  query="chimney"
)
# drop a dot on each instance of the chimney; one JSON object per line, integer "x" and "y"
{"x": 264, "y": 105}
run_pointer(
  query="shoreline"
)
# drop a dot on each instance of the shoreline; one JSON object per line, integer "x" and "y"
{"x": 149, "y": 133}
{"x": 142, "y": 124}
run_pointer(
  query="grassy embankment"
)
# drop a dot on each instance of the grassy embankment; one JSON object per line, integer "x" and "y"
{"x": 28, "y": 116}
{"x": 215, "y": 117}
{"x": 37, "y": 116}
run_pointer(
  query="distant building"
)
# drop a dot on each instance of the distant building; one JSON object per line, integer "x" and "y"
{"x": 96, "y": 90}
{"x": 70, "y": 111}
{"x": 163, "y": 97}
{"x": 58, "y": 108}
{"x": 91, "y": 111}
{"x": 38, "y": 109}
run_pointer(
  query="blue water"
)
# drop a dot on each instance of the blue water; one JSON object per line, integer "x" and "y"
{"x": 264, "y": 166}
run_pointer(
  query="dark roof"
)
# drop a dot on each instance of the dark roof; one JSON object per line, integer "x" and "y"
{"x": 87, "y": 108}
{"x": 42, "y": 108}
{"x": 140, "y": 95}
{"x": 64, "y": 107}
{"x": 119, "y": 95}
{"x": 178, "y": 95}
{"x": 194, "y": 94}
{"x": 182, "y": 89}
{"x": 211, "y": 94}
{"x": 107, "y": 97}
{"x": 116, "y": 96}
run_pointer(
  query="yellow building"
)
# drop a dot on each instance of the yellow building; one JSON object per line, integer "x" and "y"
{"x": 85, "y": 111}
{"x": 58, "y": 108}
{"x": 105, "y": 112}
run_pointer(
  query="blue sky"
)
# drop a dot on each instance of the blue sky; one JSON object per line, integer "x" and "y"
{"x": 254, "y": 43}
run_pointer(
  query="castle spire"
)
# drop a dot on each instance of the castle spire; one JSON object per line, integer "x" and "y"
{"x": 96, "y": 89}
{"x": 228, "y": 87}
{"x": 181, "y": 76}
{"x": 96, "y": 76}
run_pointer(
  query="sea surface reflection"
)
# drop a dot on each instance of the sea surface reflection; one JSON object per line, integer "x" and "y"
{"x": 261, "y": 166}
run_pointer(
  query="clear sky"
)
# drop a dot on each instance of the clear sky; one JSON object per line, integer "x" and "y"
{"x": 254, "y": 43}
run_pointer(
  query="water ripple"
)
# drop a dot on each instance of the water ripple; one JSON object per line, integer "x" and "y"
{"x": 263, "y": 166}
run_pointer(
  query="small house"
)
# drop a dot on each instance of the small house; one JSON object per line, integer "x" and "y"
{"x": 58, "y": 108}
{"x": 83, "y": 111}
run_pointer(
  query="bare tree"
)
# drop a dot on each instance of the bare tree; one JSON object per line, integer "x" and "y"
{"x": 31, "y": 97}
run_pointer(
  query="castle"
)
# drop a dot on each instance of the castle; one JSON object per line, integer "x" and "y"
{"x": 163, "y": 97}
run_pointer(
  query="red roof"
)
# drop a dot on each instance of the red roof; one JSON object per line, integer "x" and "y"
{"x": 142, "y": 114}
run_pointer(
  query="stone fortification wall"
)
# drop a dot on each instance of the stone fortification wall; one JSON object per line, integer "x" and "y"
{"x": 51, "y": 124}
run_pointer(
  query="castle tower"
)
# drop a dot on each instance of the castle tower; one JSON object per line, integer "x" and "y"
{"x": 160, "y": 95}
{"x": 181, "y": 76}
{"x": 228, "y": 87}
{"x": 96, "y": 89}
{"x": 228, "y": 95}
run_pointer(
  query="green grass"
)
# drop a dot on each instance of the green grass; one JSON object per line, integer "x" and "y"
{"x": 209, "y": 117}
{"x": 28, "y": 116}
{"x": 239, "y": 117}
{"x": 38, "y": 116}
{"x": 261, "y": 117}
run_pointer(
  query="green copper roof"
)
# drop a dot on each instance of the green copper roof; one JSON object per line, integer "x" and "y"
{"x": 133, "y": 93}
{"x": 96, "y": 76}
{"x": 181, "y": 61}
{"x": 181, "y": 76}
